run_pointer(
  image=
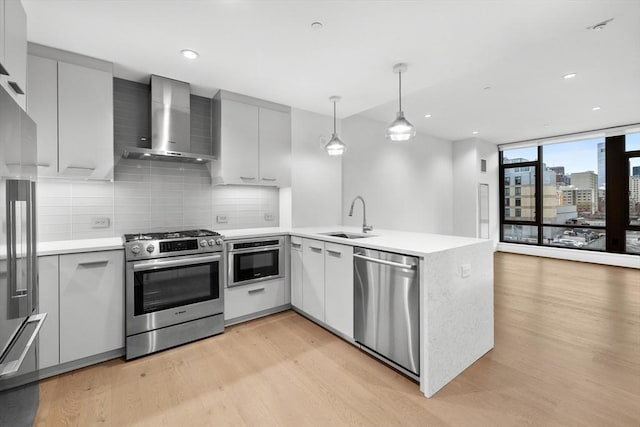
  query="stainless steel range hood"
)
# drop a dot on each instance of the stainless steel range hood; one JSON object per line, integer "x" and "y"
{"x": 170, "y": 124}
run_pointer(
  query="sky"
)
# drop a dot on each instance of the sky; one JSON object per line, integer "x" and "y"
{"x": 575, "y": 156}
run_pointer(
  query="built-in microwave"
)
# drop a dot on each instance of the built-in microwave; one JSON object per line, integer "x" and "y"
{"x": 254, "y": 260}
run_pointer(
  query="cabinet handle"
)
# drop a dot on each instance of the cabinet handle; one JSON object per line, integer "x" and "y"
{"x": 295, "y": 245}
{"x": 247, "y": 178}
{"x": 256, "y": 290}
{"x": 16, "y": 88}
{"x": 43, "y": 165}
{"x": 336, "y": 253}
{"x": 81, "y": 167}
{"x": 315, "y": 248}
{"x": 93, "y": 263}
{"x": 269, "y": 179}
{"x": 3, "y": 70}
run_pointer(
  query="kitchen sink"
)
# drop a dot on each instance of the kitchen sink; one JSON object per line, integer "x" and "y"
{"x": 346, "y": 235}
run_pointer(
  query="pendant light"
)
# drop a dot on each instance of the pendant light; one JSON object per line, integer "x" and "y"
{"x": 400, "y": 130}
{"x": 335, "y": 146}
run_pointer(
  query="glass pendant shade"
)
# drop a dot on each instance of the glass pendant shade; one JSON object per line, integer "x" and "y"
{"x": 335, "y": 146}
{"x": 400, "y": 129}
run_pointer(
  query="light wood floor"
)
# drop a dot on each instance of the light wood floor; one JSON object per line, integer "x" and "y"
{"x": 567, "y": 352}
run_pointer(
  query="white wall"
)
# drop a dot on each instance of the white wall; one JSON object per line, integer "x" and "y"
{"x": 467, "y": 176}
{"x": 316, "y": 177}
{"x": 406, "y": 186}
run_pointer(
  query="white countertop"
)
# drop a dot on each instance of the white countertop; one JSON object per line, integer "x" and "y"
{"x": 418, "y": 244}
{"x": 78, "y": 246}
{"x": 411, "y": 243}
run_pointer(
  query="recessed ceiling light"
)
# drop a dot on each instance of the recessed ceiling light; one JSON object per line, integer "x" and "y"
{"x": 427, "y": 116}
{"x": 475, "y": 132}
{"x": 199, "y": 159}
{"x": 595, "y": 108}
{"x": 316, "y": 25}
{"x": 569, "y": 76}
{"x": 487, "y": 88}
{"x": 189, "y": 54}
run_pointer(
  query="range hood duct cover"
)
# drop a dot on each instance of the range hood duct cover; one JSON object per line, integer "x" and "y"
{"x": 170, "y": 124}
{"x": 170, "y": 115}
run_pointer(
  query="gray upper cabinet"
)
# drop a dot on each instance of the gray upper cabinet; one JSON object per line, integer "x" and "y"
{"x": 85, "y": 122}
{"x": 275, "y": 147}
{"x": 72, "y": 105}
{"x": 239, "y": 151}
{"x": 252, "y": 137}
{"x": 42, "y": 105}
{"x": 13, "y": 49}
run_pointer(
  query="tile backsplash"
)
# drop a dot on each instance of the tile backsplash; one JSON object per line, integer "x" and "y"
{"x": 150, "y": 196}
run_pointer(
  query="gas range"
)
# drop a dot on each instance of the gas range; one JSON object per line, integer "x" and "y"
{"x": 167, "y": 244}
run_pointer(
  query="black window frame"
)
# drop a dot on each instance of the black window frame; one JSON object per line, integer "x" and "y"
{"x": 616, "y": 201}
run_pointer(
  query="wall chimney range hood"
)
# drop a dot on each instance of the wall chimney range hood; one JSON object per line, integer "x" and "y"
{"x": 170, "y": 125}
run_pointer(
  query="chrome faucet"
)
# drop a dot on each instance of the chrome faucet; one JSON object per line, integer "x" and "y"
{"x": 365, "y": 227}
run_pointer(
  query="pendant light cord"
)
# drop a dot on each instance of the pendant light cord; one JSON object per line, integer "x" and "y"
{"x": 334, "y": 117}
{"x": 400, "y": 91}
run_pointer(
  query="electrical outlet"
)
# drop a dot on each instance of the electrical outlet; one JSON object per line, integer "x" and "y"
{"x": 465, "y": 270}
{"x": 221, "y": 219}
{"x": 100, "y": 222}
{"x": 268, "y": 217}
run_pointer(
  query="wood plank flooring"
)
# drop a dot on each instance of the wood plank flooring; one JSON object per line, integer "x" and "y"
{"x": 567, "y": 352}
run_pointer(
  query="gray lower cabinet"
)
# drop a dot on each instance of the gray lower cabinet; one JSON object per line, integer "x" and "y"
{"x": 49, "y": 335}
{"x": 322, "y": 279}
{"x": 91, "y": 304}
{"x": 313, "y": 278}
{"x": 296, "y": 272}
{"x": 83, "y": 296}
{"x": 240, "y": 301}
{"x": 338, "y": 281}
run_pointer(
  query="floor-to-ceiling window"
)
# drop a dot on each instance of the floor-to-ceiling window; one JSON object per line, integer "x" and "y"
{"x": 561, "y": 194}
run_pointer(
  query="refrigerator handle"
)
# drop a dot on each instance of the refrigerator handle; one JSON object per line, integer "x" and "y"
{"x": 16, "y": 191}
{"x": 21, "y": 344}
{"x": 32, "y": 256}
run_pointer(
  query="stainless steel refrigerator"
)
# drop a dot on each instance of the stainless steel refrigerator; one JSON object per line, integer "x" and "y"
{"x": 19, "y": 317}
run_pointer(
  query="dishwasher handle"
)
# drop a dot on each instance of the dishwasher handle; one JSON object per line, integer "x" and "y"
{"x": 385, "y": 262}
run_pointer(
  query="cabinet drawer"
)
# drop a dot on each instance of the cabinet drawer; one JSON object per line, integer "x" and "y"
{"x": 249, "y": 299}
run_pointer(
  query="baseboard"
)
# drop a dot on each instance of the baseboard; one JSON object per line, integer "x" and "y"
{"x": 80, "y": 363}
{"x": 256, "y": 315}
{"x": 605, "y": 258}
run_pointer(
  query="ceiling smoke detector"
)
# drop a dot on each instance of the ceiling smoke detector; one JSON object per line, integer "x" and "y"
{"x": 600, "y": 25}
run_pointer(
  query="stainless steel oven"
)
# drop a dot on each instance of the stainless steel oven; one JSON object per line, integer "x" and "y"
{"x": 174, "y": 292}
{"x": 254, "y": 260}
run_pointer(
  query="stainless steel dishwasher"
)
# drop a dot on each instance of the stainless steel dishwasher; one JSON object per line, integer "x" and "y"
{"x": 387, "y": 307}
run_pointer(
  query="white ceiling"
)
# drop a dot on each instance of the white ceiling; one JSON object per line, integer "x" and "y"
{"x": 267, "y": 49}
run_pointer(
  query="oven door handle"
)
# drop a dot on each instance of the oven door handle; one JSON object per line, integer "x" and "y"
{"x": 155, "y": 265}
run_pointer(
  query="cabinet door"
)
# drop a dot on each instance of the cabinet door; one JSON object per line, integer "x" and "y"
{"x": 249, "y": 299}
{"x": 42, "y": 106}
{"x": 91, "y": 304}
{"x": 338, "y": 280}
{"x": 296, "y": 272}
{"x": 275, "y": 148}
{"x": 85, "y": 122}
{"x": 240, "y": 143}
{"x": 313, "y": 278}
{"x": 15, "y": 49}
{"x": 48, "y": 337}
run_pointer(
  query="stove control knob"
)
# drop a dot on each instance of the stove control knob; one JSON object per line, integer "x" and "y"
{"x": 135, "y": 249}
{"x": 150, "y": 248}
{"x": 219, "y": 242}
{"x": 211, "y": 242}
{"x": 203, "y": 243}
